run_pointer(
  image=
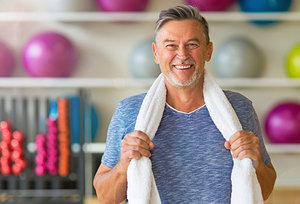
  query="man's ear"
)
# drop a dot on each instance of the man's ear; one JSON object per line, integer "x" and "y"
{"x": 155, "y": 53}
{"x": 209, "y": 51}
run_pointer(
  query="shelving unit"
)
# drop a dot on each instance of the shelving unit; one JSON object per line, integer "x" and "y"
{"x": 133, "y": 82}
{"x": 228, "y": 16}
{"x": 28, "y": 187}
{"x": 111, "y": 84}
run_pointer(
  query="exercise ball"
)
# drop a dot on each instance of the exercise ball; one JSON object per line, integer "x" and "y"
{"x": 122, "y": 5}
{"x": 238, "y": 57}
{"x": 142, "y": 63}
{"x": 49, "y": 54}
{"x": 264, "y": 6}
{"x": 69, "y": 5}
{"x": 293, "y": 62}
{"x": 91, "y": 120}
{"x": 282, "y": 123}
{"x": 211, "y": 5}
{"x": 7, "y": 61}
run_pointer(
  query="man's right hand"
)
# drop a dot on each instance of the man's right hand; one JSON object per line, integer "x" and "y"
{"x": 134, "y": 145}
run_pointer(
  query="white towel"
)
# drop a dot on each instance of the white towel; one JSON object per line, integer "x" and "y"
{"x": 141, "y": 187}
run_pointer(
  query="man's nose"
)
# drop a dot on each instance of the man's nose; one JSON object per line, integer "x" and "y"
{"x": 182, "y": 53}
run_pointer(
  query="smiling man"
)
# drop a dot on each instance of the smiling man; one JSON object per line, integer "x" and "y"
{"x": 191, "y": 161}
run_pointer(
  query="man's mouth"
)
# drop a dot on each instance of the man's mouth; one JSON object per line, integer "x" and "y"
{"x": 182, "y": 67}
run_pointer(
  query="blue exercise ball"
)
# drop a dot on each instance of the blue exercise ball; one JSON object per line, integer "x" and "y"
{"x": 264, "y": 6}
{"x": 95, "y": 122}
{"x": 91, "y": 120}
{"x": 238, "y": 57}
{"x": 142, "y": 63}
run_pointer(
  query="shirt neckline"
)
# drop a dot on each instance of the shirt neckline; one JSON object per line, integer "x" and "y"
{"x": 178, "y": 111}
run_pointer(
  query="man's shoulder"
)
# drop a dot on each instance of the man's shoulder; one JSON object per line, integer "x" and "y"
{"x": 241, "y": 104}
{"x": 236, "y": 98}
{"x": 132, "y": 104}
{"x": 126, "y": 112}
{"x": 133, "y": 101}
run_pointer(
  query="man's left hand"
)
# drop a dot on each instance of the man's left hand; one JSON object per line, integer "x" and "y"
{"x": 244, "y": 144}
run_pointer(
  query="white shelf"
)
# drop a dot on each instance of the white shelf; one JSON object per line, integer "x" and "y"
{"x": 271, "y": 148}
{"x": 19, "y": 82}
{"x": 73, "y": 82}
{"x": 292, "y": 182}
{"x": 100, "y": 148}
{"x": 94, "y": 147}
{"x": 78, "y": 16}
{"x": 75, "y": 148}
{"x": 283, "y": 148}
{"x": 260, "y": 82}
{"x": 141, "y": 16}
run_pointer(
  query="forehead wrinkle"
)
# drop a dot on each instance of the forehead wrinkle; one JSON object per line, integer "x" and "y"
{"x": 189, "y": 40}
{"x": 168, "y": 41}
{"x": 194, "y": 39}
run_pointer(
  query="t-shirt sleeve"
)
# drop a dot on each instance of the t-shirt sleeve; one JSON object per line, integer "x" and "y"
{"x": 122, "y": 122}
{"x": 248, "y": 118}
{"x": 115, "y": 133}
{"x": 254, "y": 126}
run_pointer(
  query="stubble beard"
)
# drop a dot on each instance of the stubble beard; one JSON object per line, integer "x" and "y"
{"x": 171, "y": 78}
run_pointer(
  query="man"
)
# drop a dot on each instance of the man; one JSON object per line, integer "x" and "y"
{"x": 191, "y": 161}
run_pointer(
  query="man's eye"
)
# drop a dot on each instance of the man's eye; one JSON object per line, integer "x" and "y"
{"x": 192, "y": 45}
{"x": 171, "y": 45}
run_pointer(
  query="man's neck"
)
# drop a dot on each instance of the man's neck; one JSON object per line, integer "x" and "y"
{"x": 185, "y": 99}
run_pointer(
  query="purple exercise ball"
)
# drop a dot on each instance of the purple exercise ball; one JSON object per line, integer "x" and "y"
{"x": 282, "y": 124}
{"x": 7, "y": 61}
{"x": 49, "y": 54}
{"x": 211, "y": 5}
{"x": 122, "y": 5}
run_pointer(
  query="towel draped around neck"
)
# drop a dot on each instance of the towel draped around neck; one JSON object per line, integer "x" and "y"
{"x": 142, "y": 188}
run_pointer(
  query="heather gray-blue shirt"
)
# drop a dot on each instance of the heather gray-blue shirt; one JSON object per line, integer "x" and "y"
{"x": 189, "y": 160}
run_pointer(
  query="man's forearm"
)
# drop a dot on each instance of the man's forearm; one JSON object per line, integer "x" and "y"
{"x": 111, "y": 186}
{"x": 266, "y": 176}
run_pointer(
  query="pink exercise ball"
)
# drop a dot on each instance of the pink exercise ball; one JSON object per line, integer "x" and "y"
{"x": 211, "y": 5}
{"x": 122, "y": 5}
{"x": 49, "y": 54}
{"x": 282, "y": 123}
{"x": 7, "y": 61}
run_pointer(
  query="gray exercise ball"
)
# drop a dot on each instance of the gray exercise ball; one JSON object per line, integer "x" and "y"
{"x": 238, "y": 57}
{"x": 142, "y": 63}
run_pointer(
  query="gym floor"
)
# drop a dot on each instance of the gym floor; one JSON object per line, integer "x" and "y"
{"x": 280, "y": 195}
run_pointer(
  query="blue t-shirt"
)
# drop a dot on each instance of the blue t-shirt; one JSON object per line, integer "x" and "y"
{"x": 189, "y": 161}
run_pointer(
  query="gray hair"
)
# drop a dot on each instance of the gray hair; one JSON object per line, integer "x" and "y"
{"x": 182, "y": 12}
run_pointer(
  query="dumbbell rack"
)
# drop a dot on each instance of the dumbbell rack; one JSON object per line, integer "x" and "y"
{"x": 47, "y": 189}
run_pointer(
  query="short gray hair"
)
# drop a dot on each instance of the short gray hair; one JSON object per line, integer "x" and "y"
{"x": 182, "y": 12}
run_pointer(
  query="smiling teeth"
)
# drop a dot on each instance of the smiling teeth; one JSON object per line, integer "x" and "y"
{"x": 183, "y": 66}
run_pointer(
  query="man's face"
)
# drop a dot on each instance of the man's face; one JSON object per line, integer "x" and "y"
{"x": 181, "y": 51}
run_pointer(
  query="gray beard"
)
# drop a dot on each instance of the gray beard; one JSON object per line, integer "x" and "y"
{"x": 188, "y": 84}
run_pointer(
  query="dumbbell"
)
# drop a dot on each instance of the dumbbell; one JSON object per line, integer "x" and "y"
{"x": 40, "y": 158}
{"x": 17, "y": 155}
{"x": 5, "y": 148}
{"x": 51, "y": 142}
